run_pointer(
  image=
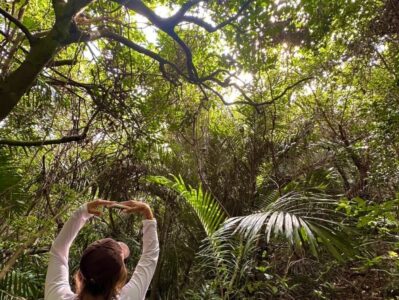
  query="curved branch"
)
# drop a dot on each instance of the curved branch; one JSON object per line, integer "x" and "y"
{"x": 284, "y": 92}
{"x": 63, "y": 140}
{"x": 182, "y": 11}
{"x": 226, "y": 83}
{"x": 248, "y": 100}
{"x": 18, "y": 23}
{"x": 213, "y": 74}
{"x": 168, "y": 25}
{"x": 63, "y": 62}
{"x": 118, "y": 38}
{"x": 192, "y": 71}
{"x": 210, "y": 28}
{"x": 136, "y": 47}
{"x": 139, "y": 7}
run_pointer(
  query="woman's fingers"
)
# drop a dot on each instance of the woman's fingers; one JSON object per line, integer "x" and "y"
{"x": 94, "y": 205}
{"x": 96, "y": 213}
{"x": 130, "y": 203}
{"x": 131, "y": 206}
{"x": 132, "y": 209}
{"x": 104, "y": 202}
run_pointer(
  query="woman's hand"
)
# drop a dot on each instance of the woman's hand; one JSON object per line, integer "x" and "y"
{"x": 138, "y": 207}
{"x": 93, "y": 206}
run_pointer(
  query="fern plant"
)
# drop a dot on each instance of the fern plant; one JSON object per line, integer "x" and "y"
{"x": 302, "y": 218}
{"x": 4, "y": 295}
{"x": 224, "y": 262}
{"x": 13, "y": 197}
{"x": 20, "y": 285}
{"x": 226, "y": 256}
{"x": 208, "y": 210}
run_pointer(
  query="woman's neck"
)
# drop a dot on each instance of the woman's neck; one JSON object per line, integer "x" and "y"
{"x": 90, "y": 297}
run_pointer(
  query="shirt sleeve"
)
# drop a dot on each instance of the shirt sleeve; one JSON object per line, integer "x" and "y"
{"x": 57, "y": 277}
{"x": 138, "y": 285}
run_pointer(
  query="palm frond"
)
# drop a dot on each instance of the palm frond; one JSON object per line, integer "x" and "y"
{"x": 208, "y": 210}
{"x": 302, "y": 218}
{"x": 4, "y": 295}
{"x": 224, "y": 261}
{"x": 20, "y": 285}
{"x": 13, "y": 198}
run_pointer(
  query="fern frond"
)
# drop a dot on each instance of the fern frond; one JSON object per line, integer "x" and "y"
{"x": 13, "y": 197}
{"x": 20, "y": 285}
{"x": 305, "y": 218}
{"x": 208, "y": 210}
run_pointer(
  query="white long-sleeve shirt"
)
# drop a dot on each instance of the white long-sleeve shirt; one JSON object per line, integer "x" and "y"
{"x": 57, "y": 279}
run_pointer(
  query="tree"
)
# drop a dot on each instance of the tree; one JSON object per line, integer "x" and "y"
{"x": 285, "y": 126}
{"x": 66, "y": 31}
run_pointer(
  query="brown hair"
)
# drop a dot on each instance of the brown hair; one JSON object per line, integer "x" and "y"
{"x": 102, "y": 272}
{"x": 107, "y": 291}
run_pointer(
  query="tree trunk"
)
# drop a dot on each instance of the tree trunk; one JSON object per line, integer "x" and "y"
{"x": 16, "y": 84}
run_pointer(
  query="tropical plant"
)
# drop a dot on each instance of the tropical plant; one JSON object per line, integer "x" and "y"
{"x": 20, "y": 285}
{"x": 266, "y": 109}
{"x": 301, "y": 218}
{"x": 209, "y": 211}
{"x": 225, "y": 261}
{"x": 13, "y": 198}
{"x": 226, "y": 255}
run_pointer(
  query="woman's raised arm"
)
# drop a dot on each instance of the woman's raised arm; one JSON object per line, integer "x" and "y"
{"x": 138, "y": 285}
{"x": 57, "y": 277}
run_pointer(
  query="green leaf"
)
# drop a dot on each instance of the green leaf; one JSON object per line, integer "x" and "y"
{"x": 208, "y": 210}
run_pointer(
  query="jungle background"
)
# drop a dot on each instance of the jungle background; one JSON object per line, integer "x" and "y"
{"x": 264, "y": 134}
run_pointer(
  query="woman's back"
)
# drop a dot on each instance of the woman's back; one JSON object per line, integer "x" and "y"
{"x": 57, "y": 279}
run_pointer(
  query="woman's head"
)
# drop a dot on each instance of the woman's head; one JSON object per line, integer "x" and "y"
{"x": 102, "y": 271}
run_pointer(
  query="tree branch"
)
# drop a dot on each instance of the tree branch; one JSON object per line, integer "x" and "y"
{"x": 118, "y": 38}
{"x": 139, "y": 7}
{"x": 210, "y": 28}
{"x": 58, "y": 7}
{"x": 58, "y": 82}
{"x": 74, "y": 7}
{"x": 21, "y": 26}
{"x": 248, "y": 100}
{"x": 63, "y": 140}
{"x": 65, "y": 31}
{"x": 226, "y": 83}
{"x": 192, "y": 71}
{"x": 284, "y": 92}
{"x": 167, "y": 25}
{"x": 63, "y": 62}
{"x": 183, "y": 9}
{"x": 32, "y": 251}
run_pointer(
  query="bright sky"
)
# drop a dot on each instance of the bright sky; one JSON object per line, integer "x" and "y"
{"x": 149, "y": 31}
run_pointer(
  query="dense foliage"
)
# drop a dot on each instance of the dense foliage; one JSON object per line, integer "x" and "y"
{"x": 265, "y": 135}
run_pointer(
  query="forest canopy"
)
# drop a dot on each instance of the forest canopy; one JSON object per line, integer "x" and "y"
{"x": 264, "y": 135}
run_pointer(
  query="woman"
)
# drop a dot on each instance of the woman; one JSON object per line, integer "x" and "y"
{"x": 102, "y": 272}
